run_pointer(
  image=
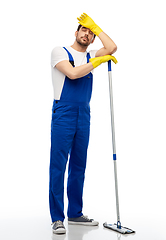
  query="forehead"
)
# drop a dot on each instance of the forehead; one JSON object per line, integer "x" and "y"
{"x": 84, "y": 28}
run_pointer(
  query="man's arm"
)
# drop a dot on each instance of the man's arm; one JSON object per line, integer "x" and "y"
{"x": 74, "y": 72}
{"x": 109, "y": 46}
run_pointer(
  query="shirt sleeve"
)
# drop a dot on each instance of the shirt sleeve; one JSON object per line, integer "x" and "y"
{"x": 58, "y": 54}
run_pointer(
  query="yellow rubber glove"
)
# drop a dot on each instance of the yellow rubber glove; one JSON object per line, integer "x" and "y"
{"x": 98, "y": 60}
{"x": 87, "y": 22}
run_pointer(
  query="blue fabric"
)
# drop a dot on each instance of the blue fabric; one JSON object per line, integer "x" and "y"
{"x": 109, "y": 65}
{"x": 70, "y": 130}
{"x": 77, "y": 90}
{"x": 69, "y": 55}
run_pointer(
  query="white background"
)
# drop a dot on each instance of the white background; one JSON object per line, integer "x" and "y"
{"x": 29, "y": 32}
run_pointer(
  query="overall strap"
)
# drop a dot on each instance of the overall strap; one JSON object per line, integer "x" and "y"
{"x": 88, "y": 57}
{"x": 71, "y": 60}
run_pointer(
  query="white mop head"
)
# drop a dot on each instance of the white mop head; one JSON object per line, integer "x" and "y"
{"x": 122, "y": 230}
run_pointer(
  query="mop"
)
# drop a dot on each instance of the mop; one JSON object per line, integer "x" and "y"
{"x": 116, "y": 226}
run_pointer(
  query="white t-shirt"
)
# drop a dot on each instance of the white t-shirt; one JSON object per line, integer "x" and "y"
{"x": 59, "y": 54}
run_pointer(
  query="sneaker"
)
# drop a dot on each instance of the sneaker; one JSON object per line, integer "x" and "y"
{"x": 83, "y": 220}
{"x": 58, "y": 227}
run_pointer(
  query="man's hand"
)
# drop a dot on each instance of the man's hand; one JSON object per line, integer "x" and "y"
{"x": 87, "y": 22}
{"x": 98, "y": 60}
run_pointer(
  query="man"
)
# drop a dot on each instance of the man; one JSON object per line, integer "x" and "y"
{"x": 72, "y": 81}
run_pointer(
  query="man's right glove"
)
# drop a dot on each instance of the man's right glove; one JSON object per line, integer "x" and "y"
{"x": 98, "y": 60}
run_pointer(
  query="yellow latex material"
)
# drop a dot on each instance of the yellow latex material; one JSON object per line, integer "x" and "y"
{"x": 87, "y": 22}
{"x": 98, "y": 60}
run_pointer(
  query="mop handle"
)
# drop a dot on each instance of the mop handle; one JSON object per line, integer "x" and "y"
{"x": 112, "y": 110}
{"x": 113, "y": 142}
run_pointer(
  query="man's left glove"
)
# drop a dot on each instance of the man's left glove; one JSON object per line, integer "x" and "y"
{"x": 87, "y": 22}
{"x": 99, "y": 60}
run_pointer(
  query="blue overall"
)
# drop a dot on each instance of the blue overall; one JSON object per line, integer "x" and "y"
{"x": 70, "y": 129}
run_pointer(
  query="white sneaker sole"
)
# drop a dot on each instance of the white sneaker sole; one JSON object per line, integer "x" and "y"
{"x": 59, "y": 231}
{"x": 93, "y": 223}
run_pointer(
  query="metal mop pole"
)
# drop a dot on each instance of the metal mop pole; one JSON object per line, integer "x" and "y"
{"x": 115, "y": 227}
{"x": 113, "y": 143}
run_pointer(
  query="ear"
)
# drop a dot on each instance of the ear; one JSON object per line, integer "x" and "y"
{"x": 93, "y": 40}
{"x": 76, "y": 33}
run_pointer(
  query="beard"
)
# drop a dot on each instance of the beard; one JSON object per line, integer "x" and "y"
{"x": 81, "y": 41}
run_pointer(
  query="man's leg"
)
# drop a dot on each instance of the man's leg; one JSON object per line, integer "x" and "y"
{"x": 77, "y": 164}
{"x": 62, "y": 134}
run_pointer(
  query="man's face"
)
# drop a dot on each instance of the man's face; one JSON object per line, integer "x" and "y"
{"x": 84, "y": 36}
